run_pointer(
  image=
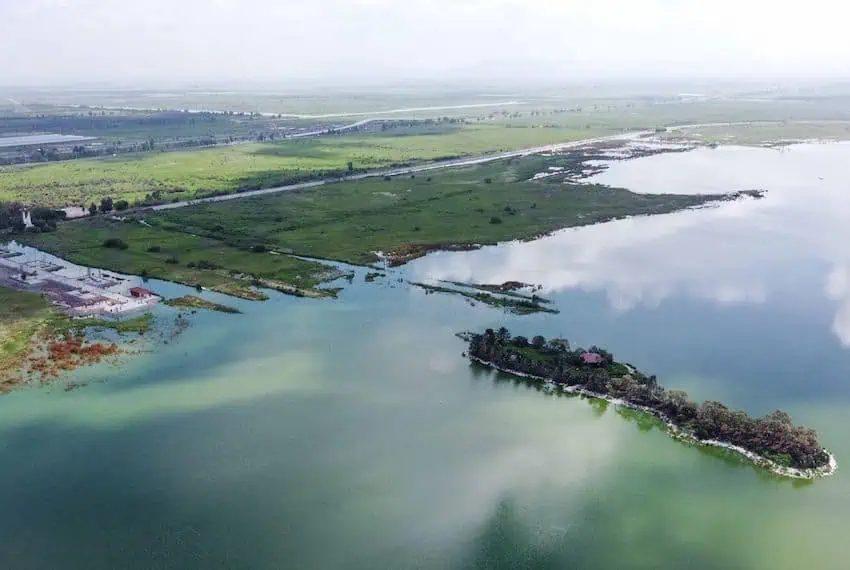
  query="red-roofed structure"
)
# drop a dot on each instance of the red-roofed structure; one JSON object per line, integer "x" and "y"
{"x": 140, "y": 292}
{"x": 592, "y": 358}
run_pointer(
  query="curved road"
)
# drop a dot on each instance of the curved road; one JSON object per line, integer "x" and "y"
{"x": 407, "y": 170}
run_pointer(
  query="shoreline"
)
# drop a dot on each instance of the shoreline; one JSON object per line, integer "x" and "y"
{"x": 679, "y": 434}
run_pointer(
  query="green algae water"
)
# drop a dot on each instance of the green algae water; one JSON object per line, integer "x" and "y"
{"x": 352, "y": 434}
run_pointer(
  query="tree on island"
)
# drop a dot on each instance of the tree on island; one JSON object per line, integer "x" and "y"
{"x": 559, "y": 345}
{"x": 93, "y": 209}
{"x": 773, "y": 436}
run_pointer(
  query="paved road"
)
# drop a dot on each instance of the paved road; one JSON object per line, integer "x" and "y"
{"x": 323, "y": 131}
{"x": 333, "y": 115}
{"x": 406, "y": 170}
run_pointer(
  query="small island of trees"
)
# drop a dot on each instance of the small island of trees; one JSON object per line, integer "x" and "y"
{"x": 773, "y": 440}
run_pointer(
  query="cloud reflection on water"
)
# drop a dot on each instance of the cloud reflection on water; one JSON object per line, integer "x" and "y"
{"x": 838, "y": 289}
{"x": 637, "y": 262}
{"x": 242, "y": 381}
{"x": 744, "y": 252}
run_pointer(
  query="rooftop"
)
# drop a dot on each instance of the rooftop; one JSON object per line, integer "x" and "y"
{"x": 592, "y": 358}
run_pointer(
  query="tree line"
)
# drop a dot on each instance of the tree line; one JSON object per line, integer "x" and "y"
{"x": 43, "y": 219}
{"x": 107, "y": 205}
{"x": 773, "y": 436}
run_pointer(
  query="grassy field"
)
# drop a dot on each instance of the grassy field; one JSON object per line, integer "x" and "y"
{"x": 175, "y": 256}
{"x": 25, "y": 319}
{"x": 140, "y": 324}
{"x": 351, "y": 221}
{"x": 290, "y": 99}
{"x": 28, "y": 321}
{"x": 764, "y": 133}
{"x": 22, "y": 315}
{"x": 183, "y": 175}
{"x": 214, "y": 245}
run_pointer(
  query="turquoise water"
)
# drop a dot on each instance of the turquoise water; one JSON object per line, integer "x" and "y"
{"x": 352, "y": 434}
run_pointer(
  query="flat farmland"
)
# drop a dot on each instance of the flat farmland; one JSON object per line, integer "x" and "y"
{"x": 181, "y": 175}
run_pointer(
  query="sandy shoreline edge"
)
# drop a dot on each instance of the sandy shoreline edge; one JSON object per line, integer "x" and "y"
{"x": 678, "y": 433}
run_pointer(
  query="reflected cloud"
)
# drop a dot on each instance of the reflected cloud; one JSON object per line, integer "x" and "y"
{"x": 838, "y": 289}
{"x": 495, "y": 453}
{"x": 580, "y": 448}
{"x": 294, "y": 373}
{"x": 636, "y": 262}
{"x": 740, "y": 253}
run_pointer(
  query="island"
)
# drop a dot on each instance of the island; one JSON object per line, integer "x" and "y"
{"x": 772, "y": 442}
{"x": 510, "y": 302}
{"x": 194, "y": 303}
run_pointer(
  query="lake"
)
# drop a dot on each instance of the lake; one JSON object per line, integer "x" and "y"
{"x": 352, "y": 434}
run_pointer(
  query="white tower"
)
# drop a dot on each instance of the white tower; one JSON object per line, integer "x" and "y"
{"x": 27, "y": 218}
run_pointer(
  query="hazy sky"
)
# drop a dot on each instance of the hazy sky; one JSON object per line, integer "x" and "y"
{"x": 57, "y": 41}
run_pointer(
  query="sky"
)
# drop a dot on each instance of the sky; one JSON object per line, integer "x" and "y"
{"x": 189, "y": 41}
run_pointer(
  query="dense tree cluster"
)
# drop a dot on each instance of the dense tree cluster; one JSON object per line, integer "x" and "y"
{"x": 773, "y": 436}
{"x": 43, "y": 219}
{"x": 115, "y": 243}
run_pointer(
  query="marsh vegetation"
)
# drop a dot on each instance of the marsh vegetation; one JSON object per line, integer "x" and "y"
{"x": 237, "y": 246}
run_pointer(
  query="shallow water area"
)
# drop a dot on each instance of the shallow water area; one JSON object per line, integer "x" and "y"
{"x": 352, "y": 434}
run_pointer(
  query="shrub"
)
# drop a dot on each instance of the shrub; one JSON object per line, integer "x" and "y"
{"x": 115, "y": 243}
{"x": 488, "y": 180}
{"x": 495, "y": 220}
{"x": 47, "y": 214}
{"x": 520, "y": 341}
{"x": 122, "y": 205}
{"x": 154, "y": 249}
{"x": 172, "y": 261}
{"x": 259, "y": 248}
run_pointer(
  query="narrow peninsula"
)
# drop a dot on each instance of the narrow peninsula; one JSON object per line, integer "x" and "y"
{"x": 772, "y": 442}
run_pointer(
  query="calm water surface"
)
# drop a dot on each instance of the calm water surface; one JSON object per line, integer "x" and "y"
{"x": 351, "y": 434}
